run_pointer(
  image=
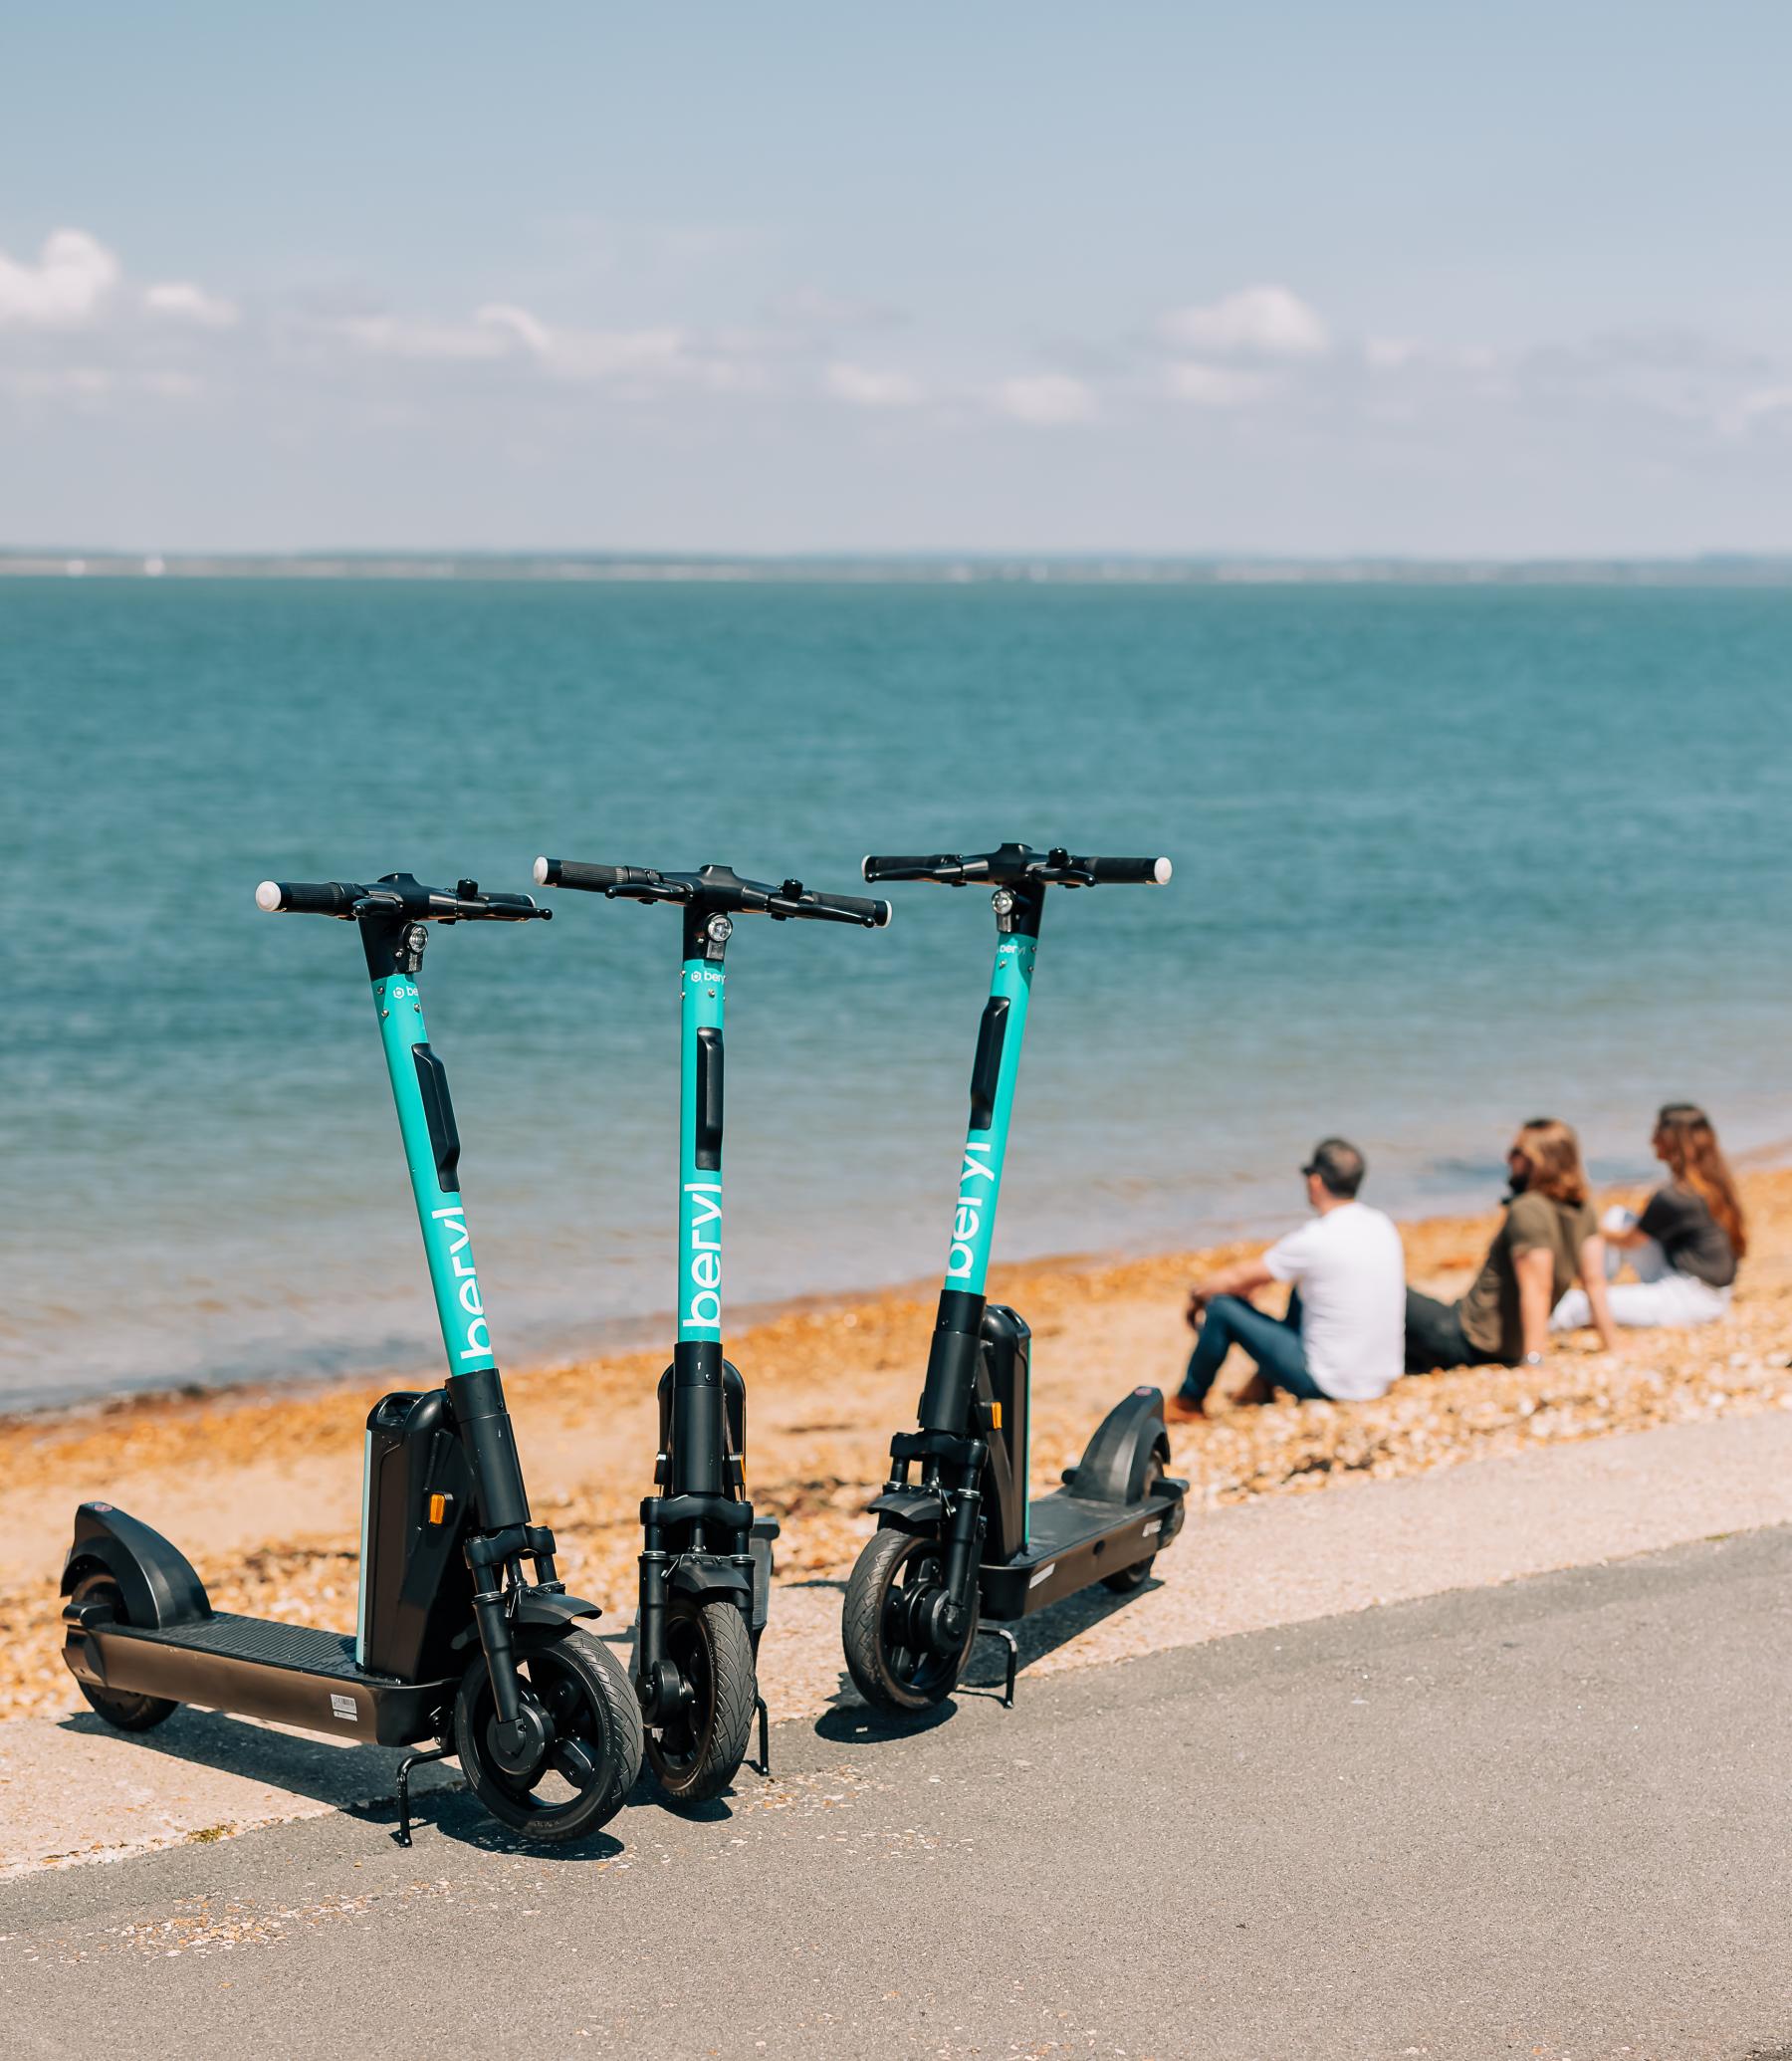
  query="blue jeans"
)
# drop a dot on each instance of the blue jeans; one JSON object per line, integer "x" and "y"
{"x": 1272, "y": 1343}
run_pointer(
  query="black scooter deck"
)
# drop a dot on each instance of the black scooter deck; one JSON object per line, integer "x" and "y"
{"x": 1073, "y": 1541}
{"x": 289, "y": 1674}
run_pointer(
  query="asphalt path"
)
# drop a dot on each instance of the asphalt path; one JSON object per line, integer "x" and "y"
{"x": 1545, "y": 1819}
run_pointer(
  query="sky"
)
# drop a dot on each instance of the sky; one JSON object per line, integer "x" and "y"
{"x": 1305, "y": 280}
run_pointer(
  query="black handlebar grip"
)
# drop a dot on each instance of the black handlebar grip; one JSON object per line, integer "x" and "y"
{"x": 307, "y": 897}
{"x": 591, "y": 878}
{"x": 858, "y": 908}
{"x": 910, "y": 869}
{"x": 1127, "y": 873}
{"x": 506, "y": 908}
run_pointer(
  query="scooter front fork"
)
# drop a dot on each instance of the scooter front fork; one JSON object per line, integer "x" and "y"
{"x": 964, "y": 1549}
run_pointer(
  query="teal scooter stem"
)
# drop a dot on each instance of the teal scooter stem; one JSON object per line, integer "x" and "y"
{"x": 706, "y": 1561}
{"x": 960, "y": 1540}
{"x": 453, "y": 1641}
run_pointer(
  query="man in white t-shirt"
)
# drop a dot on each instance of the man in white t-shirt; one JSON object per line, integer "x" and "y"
{"x": 1344, "y": 1336}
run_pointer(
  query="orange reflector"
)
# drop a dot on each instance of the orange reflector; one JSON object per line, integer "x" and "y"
{"x": 995, "y": 1416}
{"x": 438, "y": 1507}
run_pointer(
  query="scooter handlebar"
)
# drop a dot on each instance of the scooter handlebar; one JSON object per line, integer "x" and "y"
{"x": 714, "y": 887}
{"x": 1017, "y": 862}
{"x": 397, "y": 895}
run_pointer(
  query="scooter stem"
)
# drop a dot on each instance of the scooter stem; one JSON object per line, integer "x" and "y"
{"x": 952, "y": 1356}
{"x": 698, "y": 1441}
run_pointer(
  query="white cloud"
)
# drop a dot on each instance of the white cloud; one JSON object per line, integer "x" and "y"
{"x": 867, "y": 388}
{"x": 1048, "y": 400}
{"x": 1256, "y": 322}
{"x": 1215, "y": 386}
{"x": 66, "y": 288}
{"x": 500, "y": 315}
{"x": 392, "y": 335}
{"x": 179, "y": 300}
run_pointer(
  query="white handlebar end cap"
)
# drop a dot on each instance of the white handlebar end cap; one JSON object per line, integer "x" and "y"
{"x": 267, "y": 895}
{"x": 865, "y": 867}
{"x": 540, "y": 872}
{"x": 883, "y": 921}
{"x": 1160, "y": 873}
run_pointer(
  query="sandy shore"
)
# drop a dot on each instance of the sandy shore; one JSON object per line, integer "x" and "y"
{"x": 263, "y": 1491}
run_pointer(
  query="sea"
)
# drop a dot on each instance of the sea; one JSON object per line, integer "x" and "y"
{"x": 1447, "y": 857}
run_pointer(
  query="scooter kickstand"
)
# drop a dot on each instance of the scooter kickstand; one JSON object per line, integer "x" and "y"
{"x": 1013, "y": 1658}
{"x": 411, "y": 1761}
{"x": 765, "y": 1720}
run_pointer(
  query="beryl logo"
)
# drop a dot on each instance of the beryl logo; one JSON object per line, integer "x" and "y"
{"x": 703, "y": 1310}
{"x": 478, "y": 1337}
{"x": 968, "y": 1217}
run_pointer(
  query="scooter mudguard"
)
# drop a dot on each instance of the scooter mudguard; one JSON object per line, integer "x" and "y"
{"x": 1118, "y": 1457}
{"x": 156, "y": 1580}
{"x": 541, "y": 1610}
{"x": 701, "y": 1576}
{"x": 910, "y": 1510}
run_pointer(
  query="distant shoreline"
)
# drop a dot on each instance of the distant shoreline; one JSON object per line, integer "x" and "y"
{"x": 899, "y": 568}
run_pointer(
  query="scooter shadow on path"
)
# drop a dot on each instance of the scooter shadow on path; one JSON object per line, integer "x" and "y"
{"x": 350, "y": 1778}
{"x": 850, "y": 1722}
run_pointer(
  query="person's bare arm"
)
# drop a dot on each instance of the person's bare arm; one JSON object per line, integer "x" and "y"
{"x": 1242, "y": 1277}
{"x": 1535, "y": 1269}
{"x": 1593, "y": 1279}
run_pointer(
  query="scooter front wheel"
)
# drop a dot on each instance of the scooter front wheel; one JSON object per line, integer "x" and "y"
{"x": 597, "y": 1750}
{"x": 118, "y": 1706}
{"x": 697, "y": 1751}
{"x": 891, "y": 1667}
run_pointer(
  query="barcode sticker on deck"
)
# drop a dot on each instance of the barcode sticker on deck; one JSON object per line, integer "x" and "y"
{"x": 343, "y": 1707}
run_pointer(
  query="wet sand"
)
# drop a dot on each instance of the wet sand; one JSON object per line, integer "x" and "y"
{"x": 262, "y": 1489}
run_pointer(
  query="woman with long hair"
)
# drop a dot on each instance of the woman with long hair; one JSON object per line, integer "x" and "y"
{"x": 1547, "y": 1241}
{"x": 1684, "y": 1247}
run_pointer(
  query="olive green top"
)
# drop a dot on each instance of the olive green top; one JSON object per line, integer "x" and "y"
{"x": 1490, "y": 1310}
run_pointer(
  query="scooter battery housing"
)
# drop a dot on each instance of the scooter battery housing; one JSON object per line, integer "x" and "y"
{"x": 1003, "y": 1384}
{"x": 416, "y": 1590}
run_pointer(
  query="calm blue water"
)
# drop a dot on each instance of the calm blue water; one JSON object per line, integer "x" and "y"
{"x": 1446, "y": 858}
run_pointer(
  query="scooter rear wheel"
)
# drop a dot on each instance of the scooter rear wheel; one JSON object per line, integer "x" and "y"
{"x": 597, "y": 1753}
{"x": 697, "y": 1753}
{"x": 893, "y": 1571}
{"x": 118, "y": 1706}
{"x": 1139, "y": 1573}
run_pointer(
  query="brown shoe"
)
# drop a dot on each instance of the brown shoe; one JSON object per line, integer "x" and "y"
{"x": 1179, "y": 1410}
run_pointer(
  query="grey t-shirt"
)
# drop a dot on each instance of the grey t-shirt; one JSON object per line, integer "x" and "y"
{"x": 1681, "y": 1223}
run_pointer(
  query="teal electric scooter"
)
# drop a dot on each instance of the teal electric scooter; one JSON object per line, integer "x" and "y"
{"x": 706, "y": 1561}
{"x": 960, "y": 1546}
{"x": 453, "y": 1641}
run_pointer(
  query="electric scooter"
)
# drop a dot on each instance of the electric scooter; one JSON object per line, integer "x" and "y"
{"x": 706, "y": 1560}
{"x": 962, "y": 1541}
{"x": 452, "y": 1643}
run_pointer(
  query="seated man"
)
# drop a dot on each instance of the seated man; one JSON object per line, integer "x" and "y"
{"x": 1345, "y": 1326}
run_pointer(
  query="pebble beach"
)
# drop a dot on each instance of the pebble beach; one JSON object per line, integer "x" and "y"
{"x": 261, "y": 1487}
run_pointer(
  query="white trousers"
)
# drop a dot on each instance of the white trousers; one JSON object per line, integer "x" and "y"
{"x": 1659, "y": 1295}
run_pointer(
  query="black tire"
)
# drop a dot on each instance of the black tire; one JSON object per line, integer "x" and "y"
{"x": 1136, "y": 1576}
{"x": 598, "y": 1748}
{"x": 116, "y": 1706}
{"x": 697, "y": 1753}
{"x": 890, "y": 1676}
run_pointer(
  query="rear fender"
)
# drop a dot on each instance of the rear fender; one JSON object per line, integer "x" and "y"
{"x": 1119, "y": 1456}
{"x": 156, "y": 1580}
{"x": 910, "y": 1510}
